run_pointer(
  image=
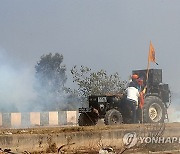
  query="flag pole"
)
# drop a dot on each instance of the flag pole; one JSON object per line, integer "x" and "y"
{"x": 147, "y": 76}
{"x": 151, "y": 58}
{"x": 147, "y": 73}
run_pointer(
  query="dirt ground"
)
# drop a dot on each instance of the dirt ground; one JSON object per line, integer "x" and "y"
{"x": 44, "y": 129}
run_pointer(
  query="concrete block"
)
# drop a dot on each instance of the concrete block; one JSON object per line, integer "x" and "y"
{"x": 35, "y": 118}
{"x": 53, "y": 118}
{"x": 25, "y": 119}
{"x": 15, "y": 119}
{"x": 72, "y": 117}
{"x": 0, "y": 119}
{"x": 62, "y": 117}
{"x": 6, "y": 119}
{"x": 44, "y": 118}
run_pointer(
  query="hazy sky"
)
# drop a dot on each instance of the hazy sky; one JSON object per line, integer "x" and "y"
{"x": 110, "y": 34}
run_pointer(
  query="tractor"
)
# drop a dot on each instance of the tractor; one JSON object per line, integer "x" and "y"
{"x": 115, "y": 110}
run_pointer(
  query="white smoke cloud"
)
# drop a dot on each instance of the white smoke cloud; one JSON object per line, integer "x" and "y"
{"x": 174, "y": 109}
{"x": 16, "y": 85}
{"x": 18, "y": 92}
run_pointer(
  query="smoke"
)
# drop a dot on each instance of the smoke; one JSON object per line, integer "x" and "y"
{"x": 16, "y": 85}
{"x": 18, "y": 92}
{"x": 174, "y": 109}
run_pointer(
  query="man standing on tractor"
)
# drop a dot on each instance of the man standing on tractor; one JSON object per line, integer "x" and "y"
{"x": 133, "y": 95}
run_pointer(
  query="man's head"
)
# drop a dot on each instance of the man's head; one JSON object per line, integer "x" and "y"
{"x": 140, "y": 81}
{"x": 134, "y": 77}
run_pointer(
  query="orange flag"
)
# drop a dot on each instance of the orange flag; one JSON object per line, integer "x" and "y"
{"x": 151, "y": 56}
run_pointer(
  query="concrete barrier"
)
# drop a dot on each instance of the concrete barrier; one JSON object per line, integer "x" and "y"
{"x": 25, "y": 119}
{"x": 30, "y": 119}
{"x": 71, "y": 117}
{"x": 15, "y": 119}
{"x": 95, "y": 137}
{"x": 19, "y": 143}
{"x": 6, "y": 119}
{"x": 0, "y": 119}
{"x": 35, "y": 118}
{"x": 53, "y": 118}
{"x": 62, "y": 118}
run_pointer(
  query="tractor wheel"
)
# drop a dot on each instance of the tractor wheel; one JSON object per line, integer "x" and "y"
{"x": 154, "y": 110}
{"x": 113, "y": 117}
{"x": 86, "y": 120}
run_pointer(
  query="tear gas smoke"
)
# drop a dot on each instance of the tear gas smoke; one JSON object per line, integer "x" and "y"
{"x": 17, "y": 93}
{"x": 16, "y": 90}
{"x": 174, "y": 109}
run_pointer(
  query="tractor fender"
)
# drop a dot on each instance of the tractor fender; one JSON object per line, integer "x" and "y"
{"x": 157, "y": 95}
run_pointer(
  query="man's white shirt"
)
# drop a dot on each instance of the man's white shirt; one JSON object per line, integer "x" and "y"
{"x": 132, "y": 93}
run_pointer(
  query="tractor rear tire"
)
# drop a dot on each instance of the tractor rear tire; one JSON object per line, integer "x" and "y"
{"x": 154, "y": 110}
{"x": 113, "y": 117}
{"x": 86, "y": 120}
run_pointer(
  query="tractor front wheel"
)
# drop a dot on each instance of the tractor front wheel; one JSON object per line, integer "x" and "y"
{"x": 113, "y": 117}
